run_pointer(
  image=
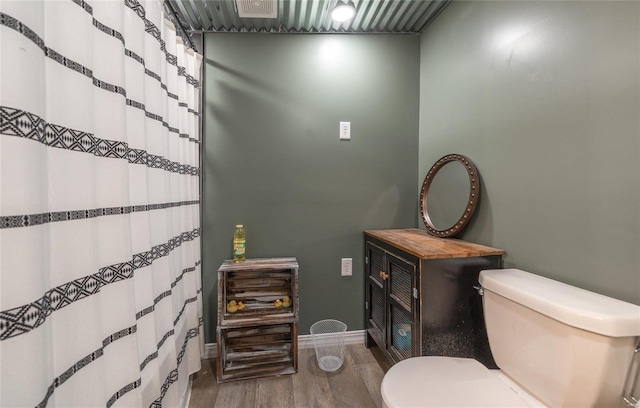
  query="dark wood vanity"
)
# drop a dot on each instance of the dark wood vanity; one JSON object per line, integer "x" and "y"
{"x": 420, "y": 295}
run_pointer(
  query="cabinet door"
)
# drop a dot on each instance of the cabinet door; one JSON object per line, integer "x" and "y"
{"x": 400, "y": 309}
{"x": 375, "y": 294}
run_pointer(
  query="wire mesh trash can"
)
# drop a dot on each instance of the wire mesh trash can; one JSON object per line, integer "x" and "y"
{"x": 328, "y": 341}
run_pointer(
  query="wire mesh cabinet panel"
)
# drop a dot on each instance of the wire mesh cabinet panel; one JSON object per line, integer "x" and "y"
{"x": 390, "y": 301}
{"x": 401, "y": 281}
{"x": 420, "y": 297}
{"x": 375, "y": 295}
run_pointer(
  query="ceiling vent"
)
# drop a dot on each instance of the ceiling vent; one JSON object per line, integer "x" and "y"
{"x": 257, "y": 8}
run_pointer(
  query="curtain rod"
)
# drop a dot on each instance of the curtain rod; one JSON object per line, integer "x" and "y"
{"x": 179, "y": 24}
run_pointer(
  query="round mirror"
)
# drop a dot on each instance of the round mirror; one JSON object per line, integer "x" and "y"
{"x": 449, "y": 195}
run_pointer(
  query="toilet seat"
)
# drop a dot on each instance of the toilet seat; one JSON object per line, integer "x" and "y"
{"x": 447, "y": 382}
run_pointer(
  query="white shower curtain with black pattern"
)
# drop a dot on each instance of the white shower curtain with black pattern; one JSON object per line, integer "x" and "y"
{"x": 100, "y": 286}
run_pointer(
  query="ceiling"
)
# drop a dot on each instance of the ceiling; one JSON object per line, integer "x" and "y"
{"x": 308, "y": 16}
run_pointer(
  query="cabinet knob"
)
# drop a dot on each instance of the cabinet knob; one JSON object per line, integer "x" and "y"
{"x": 384, "y": 276}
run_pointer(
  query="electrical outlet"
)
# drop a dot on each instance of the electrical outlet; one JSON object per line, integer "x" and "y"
{"x": 347, "y": 266}
{"x": 345, "y": 130}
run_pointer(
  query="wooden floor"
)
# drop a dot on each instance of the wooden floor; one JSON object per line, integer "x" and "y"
{"x": 355, "y": 385}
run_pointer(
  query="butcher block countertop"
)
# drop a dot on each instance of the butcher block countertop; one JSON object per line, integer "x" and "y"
{"x": 422, "y": 245}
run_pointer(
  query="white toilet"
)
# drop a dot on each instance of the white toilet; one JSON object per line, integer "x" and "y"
{"x": 556, "y": 345}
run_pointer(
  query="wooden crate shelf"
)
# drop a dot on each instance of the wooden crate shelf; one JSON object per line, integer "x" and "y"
{"x": 260, "y": 340}
{"x": 257, "y": 351}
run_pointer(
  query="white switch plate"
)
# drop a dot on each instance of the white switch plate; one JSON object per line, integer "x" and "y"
{"x": 347, "y": 267}
{"x": 345, "y": 130}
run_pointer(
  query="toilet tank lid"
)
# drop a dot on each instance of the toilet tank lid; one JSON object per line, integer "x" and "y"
{"x": 568, "y": 304}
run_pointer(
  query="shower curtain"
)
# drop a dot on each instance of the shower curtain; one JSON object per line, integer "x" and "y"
{"x": 100, "y": 286}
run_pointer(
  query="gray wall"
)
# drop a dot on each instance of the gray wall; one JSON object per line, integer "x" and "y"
{"x": 544, "y": 97}
{"x": 273, "y": 160}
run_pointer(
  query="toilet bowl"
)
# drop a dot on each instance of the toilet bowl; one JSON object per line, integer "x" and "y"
{"x": 451, "y": 382}
{"x": 556, "y": 346}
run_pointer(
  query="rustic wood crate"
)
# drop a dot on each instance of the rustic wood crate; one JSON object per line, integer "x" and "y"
{"x": 262, "y": 339}
{"x": 257, "y": 351}
{"x": 258, "y": 283}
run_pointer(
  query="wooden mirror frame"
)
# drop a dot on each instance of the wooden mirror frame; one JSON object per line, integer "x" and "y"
{"x": 474, "y": 194}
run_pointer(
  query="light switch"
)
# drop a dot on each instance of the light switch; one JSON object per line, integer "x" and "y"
{"x": 345, "y": 130}
{"x": 347, "y": 267}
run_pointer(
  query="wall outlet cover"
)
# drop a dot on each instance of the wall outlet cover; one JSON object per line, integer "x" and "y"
{"x": 345, "y": 130}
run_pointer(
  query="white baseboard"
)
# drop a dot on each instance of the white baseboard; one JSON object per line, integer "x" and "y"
{"x": 350, "y": 337}
{"x": 305, "y": 341}
{"x": 209, "y": 351}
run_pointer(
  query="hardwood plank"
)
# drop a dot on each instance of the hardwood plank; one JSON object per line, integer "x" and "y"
{"x": 418, "y": 243}
{"x": 311, "y": 387}
{"x": 355, "y": 385}
{"x": 348, "y": 388}
{"x": 275, "y": 392}
{"x": 378, "y": 355}
{"x": 237, "y": 394}
{"x": 372, "y": 368}
{"x": 204, "y": 389}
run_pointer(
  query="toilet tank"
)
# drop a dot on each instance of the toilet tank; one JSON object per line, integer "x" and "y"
{"x": 567, "y": 346}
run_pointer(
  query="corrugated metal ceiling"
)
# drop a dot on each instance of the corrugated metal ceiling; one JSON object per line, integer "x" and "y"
{"x": 310, "y": 16}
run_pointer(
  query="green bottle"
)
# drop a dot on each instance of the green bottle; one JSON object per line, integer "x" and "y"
{"x": 239, "y": 244}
